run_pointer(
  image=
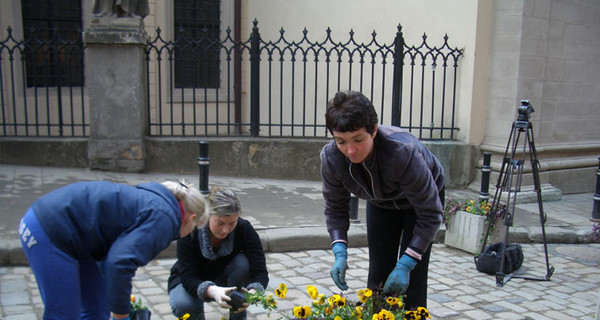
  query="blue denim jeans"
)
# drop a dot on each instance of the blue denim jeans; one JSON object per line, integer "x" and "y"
{"x": 70, "y": 289}
{"x": 236, "y": 274}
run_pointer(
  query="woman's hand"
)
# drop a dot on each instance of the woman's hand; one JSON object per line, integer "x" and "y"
{"x": 220, "y": 295}
{"x": 120, "y": 316}
{"x": 246, "y": 304}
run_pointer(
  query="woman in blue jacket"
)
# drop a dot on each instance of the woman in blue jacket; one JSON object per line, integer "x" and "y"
{"x": 85, "y": 241}
{"x": 214, "y": 260}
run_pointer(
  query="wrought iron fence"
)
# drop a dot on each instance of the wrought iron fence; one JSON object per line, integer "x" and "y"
{"x": 274, "y": 88}
{"x": 41, "y": 85}
{"x": 287, "y": 83}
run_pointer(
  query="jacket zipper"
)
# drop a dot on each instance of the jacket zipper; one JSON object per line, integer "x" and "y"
{"x": 358, "y": 183}
{"x": 372, "y": 185}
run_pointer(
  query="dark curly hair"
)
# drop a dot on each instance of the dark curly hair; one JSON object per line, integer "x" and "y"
{"x": 350, "y": 111}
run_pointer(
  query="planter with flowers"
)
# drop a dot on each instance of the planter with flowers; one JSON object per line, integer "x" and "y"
{"x": 139, "y": 311}
{"x": 370, "y": 305}
{"x": 467, "y": 223}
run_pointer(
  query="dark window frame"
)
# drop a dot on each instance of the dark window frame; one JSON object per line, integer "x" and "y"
{"x": 197, "y": 43}
{"x": 53, "y": 46}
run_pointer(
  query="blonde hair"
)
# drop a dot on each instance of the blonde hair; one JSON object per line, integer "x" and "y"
{"x": 192, "y": 199}
{"x": 224, "y": 202}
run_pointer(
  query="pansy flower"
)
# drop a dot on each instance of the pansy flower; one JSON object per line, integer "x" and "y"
{"x": 320, "y": 299}
{"x": 384, "y": 315}
{"x": 357, "y": 312}
{"x": 411, "y": 315}
{"x": 271, "y": 300}
{"x": 421, "y": 311}
{"x": 312, "y": 291}
{"x": 281, "y": 291}
{"x": 302, "y": 312}
{"x": 394, "y": 301}
{"x": 337, "y": 301}
{"x": 364, "y": 295}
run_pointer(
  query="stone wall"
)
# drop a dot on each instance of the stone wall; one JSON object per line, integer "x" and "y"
{"x": 290, "y": 159}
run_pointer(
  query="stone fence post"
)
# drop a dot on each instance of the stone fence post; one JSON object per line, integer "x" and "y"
{"x": 115, "y": 71}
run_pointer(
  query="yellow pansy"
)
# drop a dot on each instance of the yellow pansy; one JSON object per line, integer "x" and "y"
{"x": 302, "y": 312}
{"x": 358, "y": 312}
{"x": 281, "y": 291}
{"x": 312, "y": 291}
{"x": 320, "y": 299}
{"x": 364, "y": 295}
{"x": 384, "y": 315}
{"x": 393, "y": 301}
{"x": 423, "y": 313}
{"x": 337, "y": 300}
{"x": 271, "y": 300}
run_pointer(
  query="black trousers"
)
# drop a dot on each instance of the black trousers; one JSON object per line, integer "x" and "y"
{"x": 389, "y": 233}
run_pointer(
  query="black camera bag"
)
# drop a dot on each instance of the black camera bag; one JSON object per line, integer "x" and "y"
{"x": 489, "y": 260}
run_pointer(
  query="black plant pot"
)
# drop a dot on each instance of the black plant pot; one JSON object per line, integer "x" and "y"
{"x": 142, "y": 314}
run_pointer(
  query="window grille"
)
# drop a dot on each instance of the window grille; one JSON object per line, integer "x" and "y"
{"x": 197, "y": 26}
{"x": 53, "y": 44}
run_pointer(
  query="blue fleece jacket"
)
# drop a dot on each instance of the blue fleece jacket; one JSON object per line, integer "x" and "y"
{"x": 120, "y": 225}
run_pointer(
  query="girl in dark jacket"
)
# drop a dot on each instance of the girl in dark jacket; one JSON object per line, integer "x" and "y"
{"x": 223, "y": 256}
{"x": 85, "y": 241}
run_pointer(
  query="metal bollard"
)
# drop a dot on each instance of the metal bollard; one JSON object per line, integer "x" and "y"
{"x": 354, "y": 209}
{"x": 596, "y": 210}
{"x": 486, "y": 169}
{"x": 203, "y": 164}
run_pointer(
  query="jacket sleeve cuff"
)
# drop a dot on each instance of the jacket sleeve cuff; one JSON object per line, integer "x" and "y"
{"x": 202, "y": 290}
{"x": 256, "y": 286}
{"x": 413, "y": 253}
{"x": 338, "y": 236}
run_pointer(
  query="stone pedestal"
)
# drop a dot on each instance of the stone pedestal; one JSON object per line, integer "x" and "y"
{"x": 115, "y": 81}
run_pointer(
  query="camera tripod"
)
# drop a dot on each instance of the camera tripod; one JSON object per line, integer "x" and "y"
{"x": 509, "y": 184}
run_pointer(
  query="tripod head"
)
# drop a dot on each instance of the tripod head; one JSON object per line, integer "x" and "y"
{"x": 525, "y": 110}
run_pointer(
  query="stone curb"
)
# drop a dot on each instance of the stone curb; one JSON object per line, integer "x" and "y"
{"x": 317, "y": 238}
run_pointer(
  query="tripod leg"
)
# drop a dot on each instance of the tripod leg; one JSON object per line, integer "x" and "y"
{"x": 536, "y": 182}
{"x": 512, "y": 185}
{"x": 500, "y": 186}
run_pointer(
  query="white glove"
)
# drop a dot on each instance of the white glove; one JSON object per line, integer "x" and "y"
{"x": 220, "y": 295}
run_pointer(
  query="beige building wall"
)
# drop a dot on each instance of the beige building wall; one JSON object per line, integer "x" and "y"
{"x": 467, "y": 23}
{"x": 548, "y": 52}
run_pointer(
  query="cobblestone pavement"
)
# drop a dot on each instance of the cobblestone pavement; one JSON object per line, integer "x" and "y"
{"x": 456, "y": 289}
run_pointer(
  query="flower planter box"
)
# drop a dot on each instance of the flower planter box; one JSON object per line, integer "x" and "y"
{"x": 142, "y": 314}
{"x": 465, "y": 231}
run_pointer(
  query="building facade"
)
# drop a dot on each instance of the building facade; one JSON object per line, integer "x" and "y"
{"x": 545, "y": 52}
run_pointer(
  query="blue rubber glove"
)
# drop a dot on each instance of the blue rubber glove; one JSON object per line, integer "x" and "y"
{"x": 399, "y": 278}
{"x": 338, "y": 271}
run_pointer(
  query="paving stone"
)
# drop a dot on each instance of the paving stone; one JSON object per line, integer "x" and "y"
{"x": 476, "y": 296}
